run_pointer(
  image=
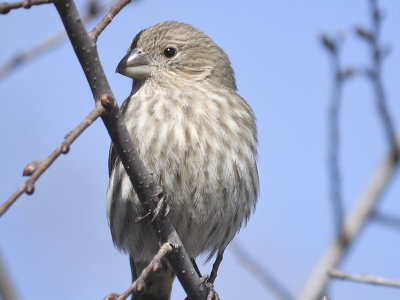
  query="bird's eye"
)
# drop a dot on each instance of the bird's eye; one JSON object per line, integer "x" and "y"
{"x": 169, "y": 52}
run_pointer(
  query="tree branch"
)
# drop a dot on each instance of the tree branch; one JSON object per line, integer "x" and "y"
{"x": 93, "y": 10}
{"x": 375, "y": 72}
{"x": 386, "y": 219}
{"x": 98, "y": 29}
{"x": 332, "y": 46}
{"x": 143, "y": 182}
{"x": 6, "y": 7}
{"x": 36, "y": 169}
{"x": 352, "y": 226}
{"x": 364, "y": 278}
{"x": 260, "y": 273}
{"x": 154, "y": 266}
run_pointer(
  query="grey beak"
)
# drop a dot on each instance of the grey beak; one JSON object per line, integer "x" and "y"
{"x": 135, "y": 65}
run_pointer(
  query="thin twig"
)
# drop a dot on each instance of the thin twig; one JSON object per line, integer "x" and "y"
{"x": 6, "y": 7}
{"x": 63, "y": 148}
{"x": 140, "y": 283}
{"x": 376, "y": 57}
{"x": 142, "y": 181}
{"x": 374, "y": 73}
{"x": 334, "y": 135}
{"x": 352, "y": 226}
{"x": 19, "y": 59}
{"x": 364, "y": 278}
{"x": 98, "y": 29}
{"x": 263, "y": 275}
{"x": 386, "y": 219}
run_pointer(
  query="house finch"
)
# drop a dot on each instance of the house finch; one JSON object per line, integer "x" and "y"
{"x": 198, "y": 138}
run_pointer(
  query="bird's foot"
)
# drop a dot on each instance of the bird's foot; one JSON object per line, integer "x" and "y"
{"x": 212, "y": 294}
{"x": 162, "y": 209}
{"x": 204, "y": 278}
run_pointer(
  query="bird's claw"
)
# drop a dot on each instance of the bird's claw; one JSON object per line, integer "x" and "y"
{"x": 141, "y": 219}
{"x": 204, "y": 278}
{"x": 212, "y": 294}
{"x": 161, "y": 208}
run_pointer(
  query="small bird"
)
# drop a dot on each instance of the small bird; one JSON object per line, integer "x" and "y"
{"x": 197, "y": 137}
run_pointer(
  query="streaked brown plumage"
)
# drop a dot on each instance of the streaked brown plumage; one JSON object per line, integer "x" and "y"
{"x": 196, "y": 135}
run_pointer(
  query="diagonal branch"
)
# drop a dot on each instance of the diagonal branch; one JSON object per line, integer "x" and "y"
{"x": 143, "y": 182}
{"x": 352, "y": 226}
{"x": 139, "y": 284}
{"x": 98, "y": 29}
{"x": 263, "y": 275}
{"x": 19, "y": 59}
{"x": 36, "y": 169}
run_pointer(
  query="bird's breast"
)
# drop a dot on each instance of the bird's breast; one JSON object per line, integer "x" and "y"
{"x": 203, "y": 155}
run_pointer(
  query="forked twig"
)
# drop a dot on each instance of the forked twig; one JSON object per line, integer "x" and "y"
{"x": 93, "y": 11}
{"x": 36, "y": 169}
{"x": 140, "y": 283}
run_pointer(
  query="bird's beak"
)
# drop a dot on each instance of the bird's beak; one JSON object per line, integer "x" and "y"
{"x": 134, "y": 65}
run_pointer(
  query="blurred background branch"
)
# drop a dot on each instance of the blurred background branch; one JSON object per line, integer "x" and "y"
{"x": 366, "y": 205}
{"x": 332, "y": 45}
{"x": 364, "y": 278}
{"x": 377, "y": 56}
{"x": 264, "y": 276}
{"x": 93, "y": 10}
{"x": 352, "y": 226}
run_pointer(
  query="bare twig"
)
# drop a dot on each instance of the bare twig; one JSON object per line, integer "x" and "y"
{"x": 35, "y": 169}
{"x": 386, "y": 219}
{"x": 376, "y": 57}
{"x": 364, "y": 278}
{"x": 5, "y": 7}
{"x": 98, "y": 29}
{"x": 140, "y": 283}
{"x": 142, "y": 181}
{"x": 352, "y": 226}
{"x": 333, "y": 46}
{"x": 375, "y": 71}
{"x": 260, "y": 273}
{"x": 25, "y": 56}
{"x": 367, "y": 203}
{"x": 19, "y": 59}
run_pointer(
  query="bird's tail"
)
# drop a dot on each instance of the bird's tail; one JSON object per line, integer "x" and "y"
{"x": 158, "y": 285}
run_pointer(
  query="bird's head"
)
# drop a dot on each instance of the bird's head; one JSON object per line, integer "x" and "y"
{"x": 176, "y": 51}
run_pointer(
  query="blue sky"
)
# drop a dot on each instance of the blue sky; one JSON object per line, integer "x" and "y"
{"x": 56, "y": 243}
